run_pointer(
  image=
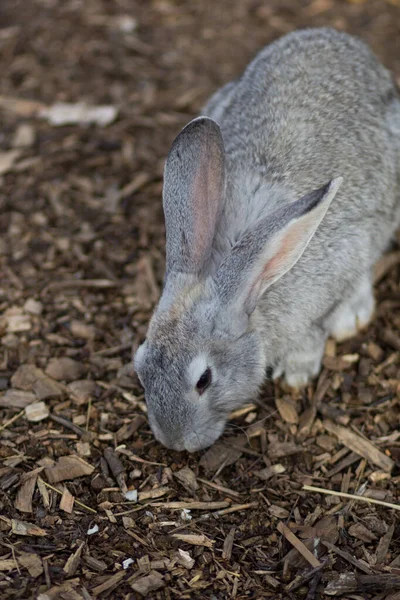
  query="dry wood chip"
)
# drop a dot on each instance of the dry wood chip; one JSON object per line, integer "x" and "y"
{"x": 109, "y": 584}
{"x": 149, "y": 583}
{"x": 36, "y": 412}
{"x": 187, "y": 478}
{"x": 17, "y": 399}
{"x": 359, "y": 531}
{"x": 193, "y": 505}
{"x": 223, "y": 453}
{"x": 30, "y": 378}
{"x": 94, "y": 563}
{"x": 194, "y": 539}
{"x": 8, "y": 564}
{"x": 44, "y": 492}
{"x": 391, "y": 338}
{"x": 82, "y": 330}
{"x": 33, "y": 307}
{"x": 33, "y": 564}
{"x": 68, "y": 467}
{"x": 375, "y": 351}
{"x": 73, "y": 561}
{"x": 24, "y": 528}
{"x": 67, "y": 501}
{"x": 383, "y": 266}
{"x": 339, "y": 363}
{"x": 348, "y": 557}
{"x": 298, "y": 544}
{"x": 383, "y": 546}
{"x": 128, "y": 429}
{"x": 228, "y": 544}
{"x": 287, "y": 409}
{"x": 324, "y": 529}
{"x": 23, "y": 501}
{"x": 268, "y": 472}
{"x": 144, "y": 563}
{"x": 278, "y": 511}
{"x": 183, "y": 558}
{"x": 62, "y": 113}
{"x": 156, "y": 493}
{"x": 7, "y": 160}
{"x": 220, "y": 488}
{"x": 24, "y": 108}
{"x": 65, "y": 369}
{"x": 14, "y": 320}
{"x": 83, "y": 390}
{"x": 65, "y": 591}
{"x": 281, "y": 449}
{"x": 117, "y": 468}
{"x": 360, "y": 446}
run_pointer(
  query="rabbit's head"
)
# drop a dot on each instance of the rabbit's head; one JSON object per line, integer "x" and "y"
{"x": 203, "y": 355}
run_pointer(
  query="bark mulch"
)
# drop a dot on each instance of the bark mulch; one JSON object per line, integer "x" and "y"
{"x": 300, "y": 498}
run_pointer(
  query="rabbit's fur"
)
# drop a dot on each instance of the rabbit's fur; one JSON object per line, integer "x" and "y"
{"x": 257, "y": 275}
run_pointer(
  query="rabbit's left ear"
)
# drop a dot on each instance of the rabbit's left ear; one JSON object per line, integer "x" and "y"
{"x": 194, "y": 181}
{"x": 270, "y": 249}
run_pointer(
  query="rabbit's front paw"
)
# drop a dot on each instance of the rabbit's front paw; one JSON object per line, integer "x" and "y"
{"x": 300, "y": 367}
{"x": 352, "y": 316}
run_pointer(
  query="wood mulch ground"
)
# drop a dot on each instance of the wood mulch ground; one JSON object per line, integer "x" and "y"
{"x": 90, "y": 505}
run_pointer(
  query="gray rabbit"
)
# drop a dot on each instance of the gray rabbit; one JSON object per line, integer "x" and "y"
{"x": 277, "y": 205}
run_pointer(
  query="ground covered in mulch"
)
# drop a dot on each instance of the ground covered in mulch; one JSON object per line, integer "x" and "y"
{"x": 90, "y": 505}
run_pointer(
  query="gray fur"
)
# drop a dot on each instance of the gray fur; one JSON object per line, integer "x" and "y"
{"x": 312, "y": 107}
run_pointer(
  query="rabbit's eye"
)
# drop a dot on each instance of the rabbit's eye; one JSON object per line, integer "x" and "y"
{"x": 204, "y": 381}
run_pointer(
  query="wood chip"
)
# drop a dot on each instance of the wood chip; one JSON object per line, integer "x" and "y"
{"x": 127, "y": 430}
{"x": 68, "y": 467}
{"x": 359, "y": 531}
{"x": 23, "y": 501}
{"x": 116, "y": 467}
{"x": 383, "y": 546}
{"x": 228, "y": 544}
{"x": 17, "y": 399}
{"x": 360, "y": 446}
{"x": 67, "y": 501}
{"x": 32, "y": 563}
{"x": 65, "y": 369}
{"x": 269, "y": 472}
{"x": 348, "y": 557}
{"x": 73, "y": 561}
{"x": 194, "y": 539}
{"x": 298, "y": 544}
{"x": 385, "y": 264}
{"x": 149, "y": 583}
{"x": 281, "y": 449}
{"x": 109, "y": 584}
{"x": 30, "y": 378}
{"x": 156, "y": 493}
{"x": 192, "y": 505}
{"x": 183, "y": 558}
{"x": 187, "y": 478}
{"x": 7, "y": 160}
{"x": 25, "y": 528}
{"x": 223, "y": 453}
{"x": 287, "y": 409}
{"x": 19, "y": 106}
{"x": 36, "y": 412}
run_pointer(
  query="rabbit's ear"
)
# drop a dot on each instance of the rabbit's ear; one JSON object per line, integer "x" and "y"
{"x": 194, "y": 181}
{"x": 270, "y": 249}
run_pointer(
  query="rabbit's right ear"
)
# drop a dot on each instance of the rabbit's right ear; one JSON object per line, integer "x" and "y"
{"x": 194, "y": 182}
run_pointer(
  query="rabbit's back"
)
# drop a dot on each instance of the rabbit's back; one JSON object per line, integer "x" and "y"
{"x": 312, "y": 106}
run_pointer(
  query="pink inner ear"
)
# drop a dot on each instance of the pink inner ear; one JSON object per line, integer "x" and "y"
{"x": 205, "y": 192}
{"x": 287, "y": 251}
